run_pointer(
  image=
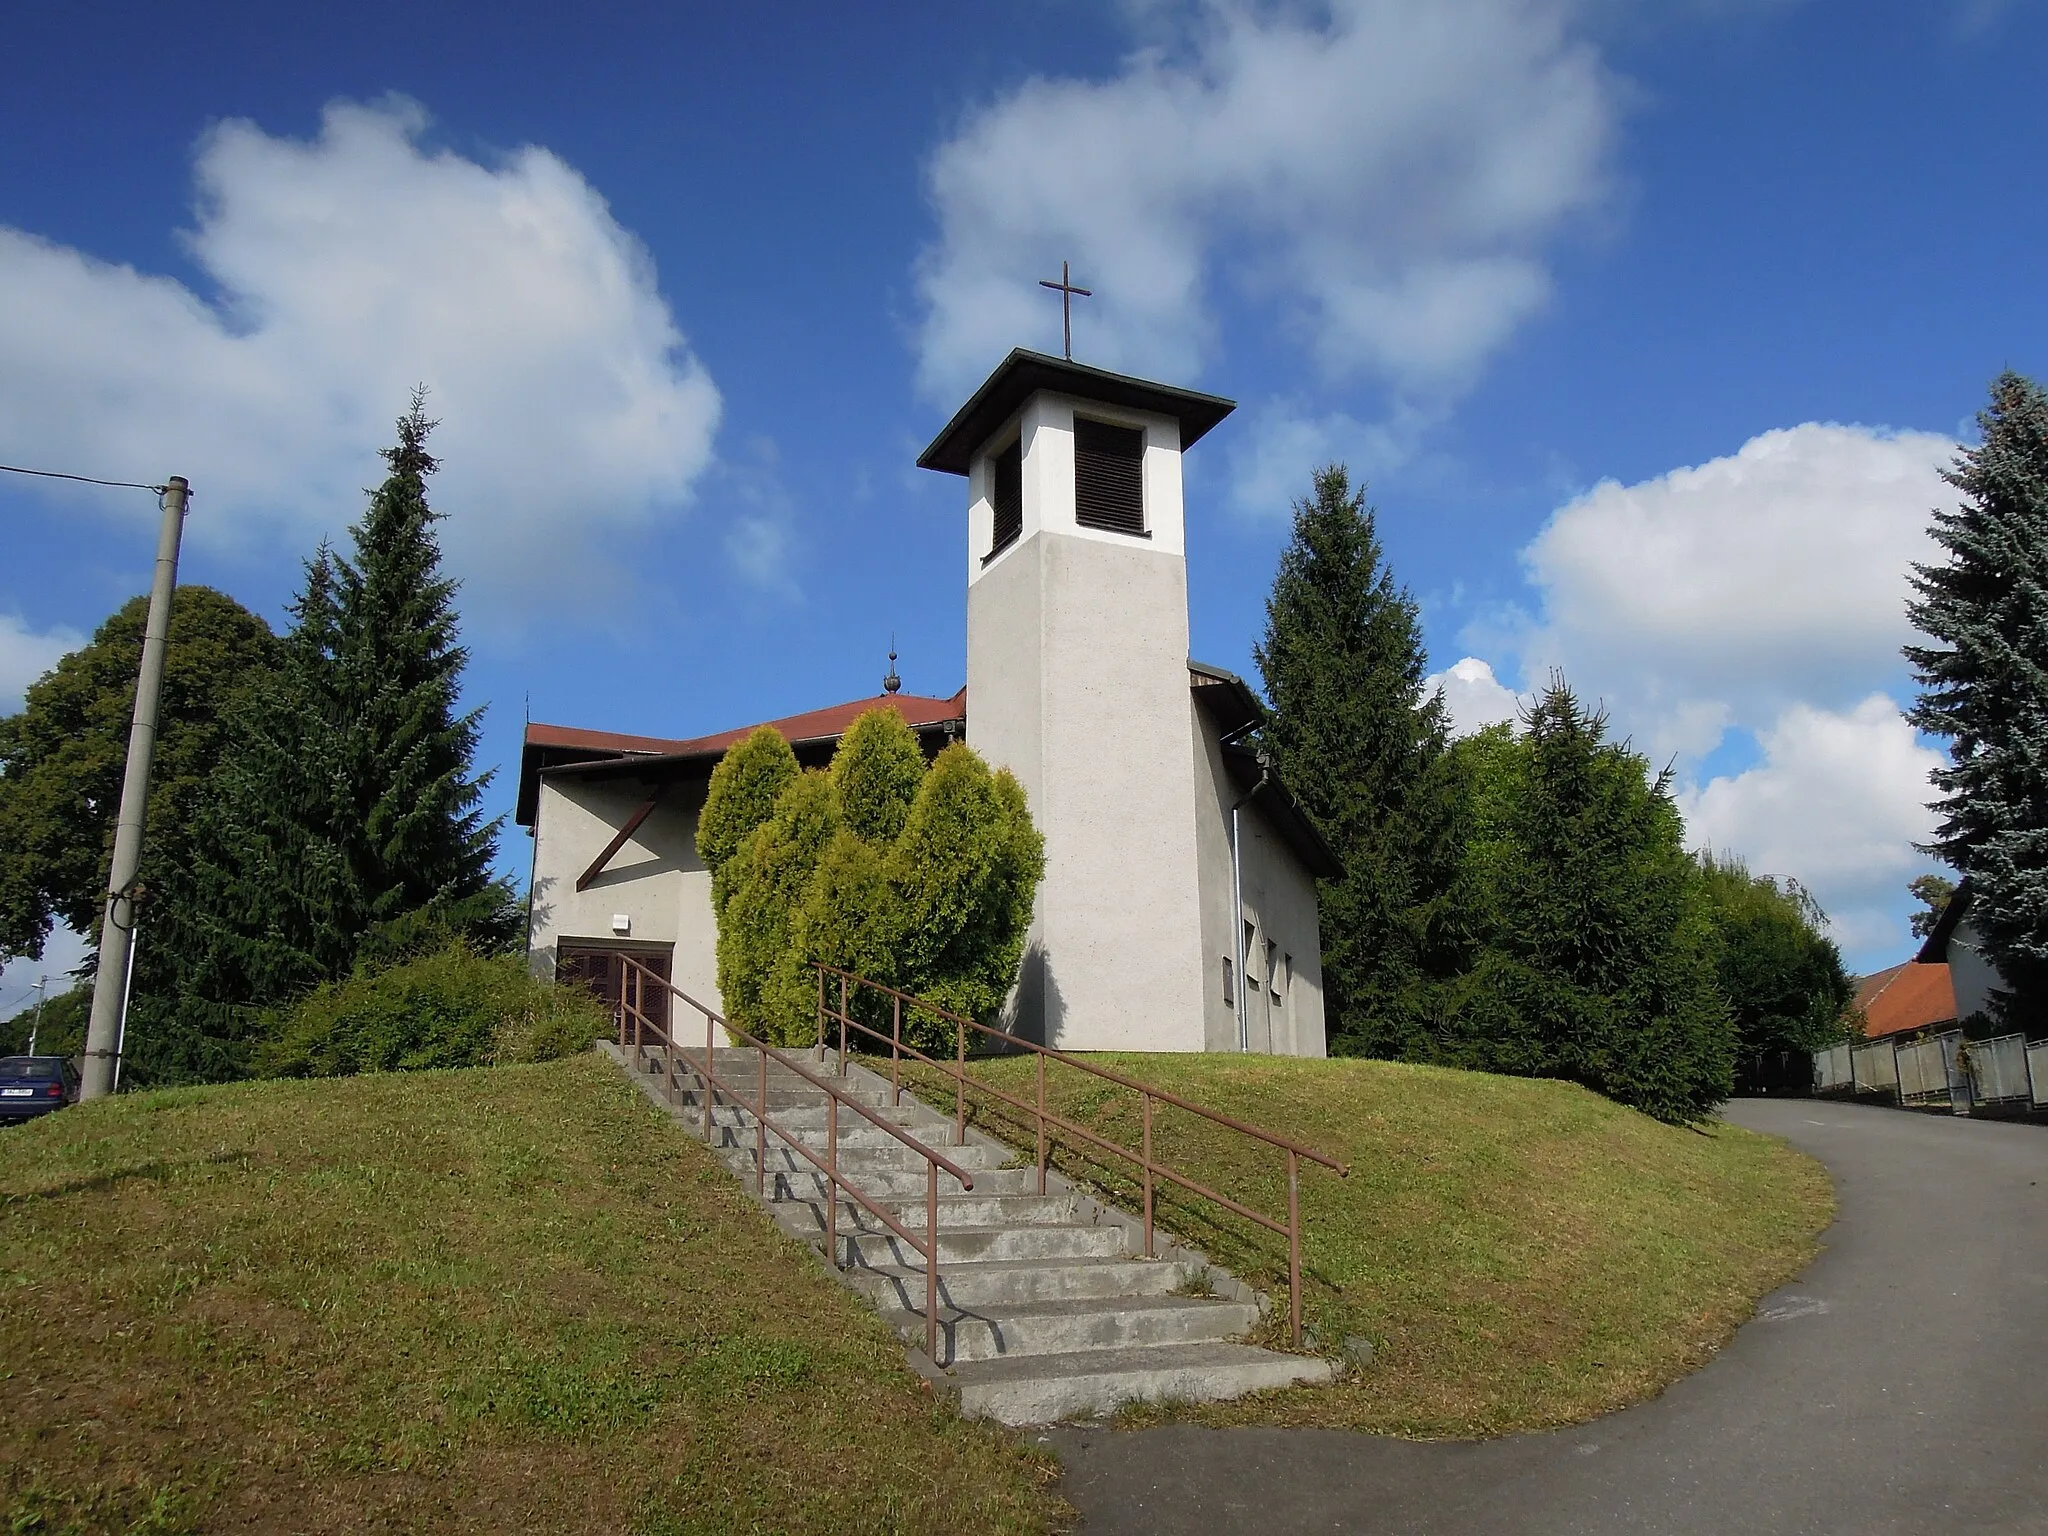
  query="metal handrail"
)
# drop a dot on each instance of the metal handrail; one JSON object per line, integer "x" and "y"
{"x": 928, "y": 1247}
{"x": 1151, "y": 1167}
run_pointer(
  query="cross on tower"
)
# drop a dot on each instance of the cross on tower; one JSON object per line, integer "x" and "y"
{"x": 1066, "y": 290}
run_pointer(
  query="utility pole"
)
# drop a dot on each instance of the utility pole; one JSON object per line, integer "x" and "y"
{"x": 36, "y": 1024}
{"x": 103, "y": 1037}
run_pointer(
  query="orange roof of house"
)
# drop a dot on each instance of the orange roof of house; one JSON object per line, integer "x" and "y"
{"x": 1909, "y": 996}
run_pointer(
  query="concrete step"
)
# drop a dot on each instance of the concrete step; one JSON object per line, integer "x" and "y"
{"x": 915, "y": 1118}
{"x": 1043, "y": 1312}
{"x": 905, "y": 1186}
{"x": 973, "y": 1209}
{"x": 1042, "y": 1389}
{"x": 1069, "y": 1327}
{"x": 1009, "y": 1282}
{"x": 867, "y": 1155}
{"x": 781, "y": 1101}
{"x": 791, "y": 1177}
{"x": 740, "y": 1072}
{"x": 982, "y": 1245}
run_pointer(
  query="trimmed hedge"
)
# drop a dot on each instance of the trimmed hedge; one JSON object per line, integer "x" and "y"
{"x": 919, "y": 877}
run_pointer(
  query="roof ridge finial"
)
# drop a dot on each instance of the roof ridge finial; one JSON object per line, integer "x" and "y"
{"x": 892, "y": 682}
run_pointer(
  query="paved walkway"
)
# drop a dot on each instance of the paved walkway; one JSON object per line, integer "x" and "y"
{"x": 1900, "y": 1385}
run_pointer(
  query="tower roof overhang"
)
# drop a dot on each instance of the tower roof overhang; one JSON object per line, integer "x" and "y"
{"x": 1023, "y": 374}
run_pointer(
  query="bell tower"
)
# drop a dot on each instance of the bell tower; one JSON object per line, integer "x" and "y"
{"x": 1077, "y": 681}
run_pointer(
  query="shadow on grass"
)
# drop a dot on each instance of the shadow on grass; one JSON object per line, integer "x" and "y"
{"x": 156, "y": 1168}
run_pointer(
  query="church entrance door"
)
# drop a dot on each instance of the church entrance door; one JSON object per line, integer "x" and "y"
{"x": 601, "y": 969}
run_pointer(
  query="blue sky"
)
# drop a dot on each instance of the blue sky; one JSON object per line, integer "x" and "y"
{"x": 1649, "y": 326}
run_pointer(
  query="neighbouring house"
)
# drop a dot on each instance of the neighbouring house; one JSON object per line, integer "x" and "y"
{"x": 1954, "y": 944}
{"x": 1178, "y": 910}
{"x": 1905, "y": 999}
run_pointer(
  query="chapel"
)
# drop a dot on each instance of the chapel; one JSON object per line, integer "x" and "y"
{"x": 1178, "y": 910}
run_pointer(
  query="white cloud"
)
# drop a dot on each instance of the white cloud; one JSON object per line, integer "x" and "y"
{"x": 1473, "y": 695}
{"x": 1272, "y": 456}
{"x": 1721, "y": 594}
{"x": 341, "y": 272}
{"x": 26, "y": 655}
{"x": 1838, "y": 801}
{"x": 1381, "y": 174}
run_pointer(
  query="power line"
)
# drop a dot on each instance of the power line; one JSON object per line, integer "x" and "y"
{"x": 57, "y": 474}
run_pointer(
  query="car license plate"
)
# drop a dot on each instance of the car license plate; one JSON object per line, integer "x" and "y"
{"x": 17, "y": 1093}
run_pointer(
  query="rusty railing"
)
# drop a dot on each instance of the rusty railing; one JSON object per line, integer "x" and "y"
{"x": 635, "y": 981}
{"x": 1150, "y": 1167}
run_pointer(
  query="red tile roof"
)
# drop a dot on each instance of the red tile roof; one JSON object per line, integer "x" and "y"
{"x": 549, "y": 746}
{"x": 1905, "y": 997}
{"x": 833, "y": 720}
{"x": 539, "y": 735}
{"x": 810, "y": 726}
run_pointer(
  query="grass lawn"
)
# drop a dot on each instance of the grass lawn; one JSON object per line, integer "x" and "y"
{"x": 1522, "y": 1254}
{"x": 514, "y": 1299}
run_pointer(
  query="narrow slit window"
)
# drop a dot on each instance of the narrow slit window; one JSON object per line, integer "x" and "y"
{"x": 1273, "y": 977}
{"x": 1229, "y": 985}
{"x": 1007, "y": 497}
{"x": 1109, "y": 477}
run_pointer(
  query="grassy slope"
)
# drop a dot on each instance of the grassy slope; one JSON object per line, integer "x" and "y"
{"x": 1521, "y": 1253}
{"x": 511, "y": 1299}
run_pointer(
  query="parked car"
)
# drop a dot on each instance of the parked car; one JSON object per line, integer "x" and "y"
{"x": 35, "y": 1085}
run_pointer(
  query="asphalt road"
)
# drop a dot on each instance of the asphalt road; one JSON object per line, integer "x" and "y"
{"x": 1899, "y": 1385}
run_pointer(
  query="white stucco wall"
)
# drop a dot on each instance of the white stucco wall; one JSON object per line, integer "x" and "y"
{"x": 1974, "y": 977}
{"x": 1286, "y": 1011}
{"x": 656, "y": 879}
{"x": 1045, "y": 427}
{"x": 1077, "y": 682}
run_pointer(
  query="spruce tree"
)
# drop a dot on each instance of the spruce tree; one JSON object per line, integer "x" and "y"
{"x": 1363, "y": 748}
{"x": 1596, "y": 945}
{"x": 343, "y": 826}
{"x": 1984, "y": 685}
{"x": 411, "y": 829}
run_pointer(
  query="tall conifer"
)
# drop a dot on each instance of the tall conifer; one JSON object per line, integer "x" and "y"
{"x": 1984, "y": 684}
{"x": 1596, "y": 946}
{"x": 343, "y": 826}
{"x": 417, "y": 847}
{"x": 1363, "y": 748}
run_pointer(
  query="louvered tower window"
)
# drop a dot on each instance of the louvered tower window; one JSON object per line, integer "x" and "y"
{"x": 1008, "y": 497}
{"x": 1109, "y": 477}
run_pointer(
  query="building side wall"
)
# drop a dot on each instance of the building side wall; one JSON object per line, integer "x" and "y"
{"x": 1214, "y": 795}
{"x": 1284, "y": 979}
{"x": 1974, "y": 977}
{"x": 1279, "y": 902}
{"x": 656, "y": 879}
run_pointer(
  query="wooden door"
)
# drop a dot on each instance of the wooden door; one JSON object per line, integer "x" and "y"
{"x": 602, "y": 971}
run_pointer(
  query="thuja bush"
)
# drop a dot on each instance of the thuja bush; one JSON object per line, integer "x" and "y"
{"x": 452, "y": 1008}
{"x": 920, "y": 877}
